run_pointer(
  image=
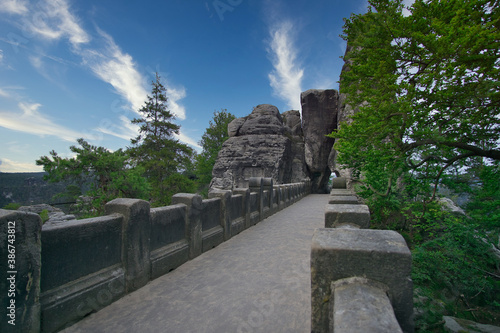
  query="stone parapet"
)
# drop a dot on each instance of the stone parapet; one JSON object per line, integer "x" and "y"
{"x": 360, "y": 278}
{"x": 67, "y": 271}
{"x": 378, "y": 255}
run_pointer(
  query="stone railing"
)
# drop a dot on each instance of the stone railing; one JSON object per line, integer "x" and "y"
{"x": 360, "y": 278}
{"x": 52, "y": 276}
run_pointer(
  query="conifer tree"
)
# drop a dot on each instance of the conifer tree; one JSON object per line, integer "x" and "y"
{"x": 157, "y": 150}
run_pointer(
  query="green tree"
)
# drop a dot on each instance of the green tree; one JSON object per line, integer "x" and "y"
{"x": 211, "y": 141}
{"x": 156, "y": 149}
{"x": 427, "y": 97}
{"x": 428, "y": 90}
{"x": 109, "y": 174}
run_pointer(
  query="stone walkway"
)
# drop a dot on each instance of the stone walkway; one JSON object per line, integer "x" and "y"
{"x": 258, "y": 281}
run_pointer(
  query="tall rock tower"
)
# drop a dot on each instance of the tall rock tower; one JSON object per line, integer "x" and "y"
{"x": 319, "y": 118}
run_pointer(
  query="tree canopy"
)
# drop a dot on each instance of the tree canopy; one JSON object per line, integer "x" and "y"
{"x": 425, "y": 93}
{"x": 109, "y": 174}
{"x": 427, "y": 87}
{"x": 211, "y": 141}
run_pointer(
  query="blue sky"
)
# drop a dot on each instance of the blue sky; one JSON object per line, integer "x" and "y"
{"x": 71, "y": 69}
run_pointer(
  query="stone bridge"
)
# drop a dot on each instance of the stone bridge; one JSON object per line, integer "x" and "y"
{"x": 267, "y": 258}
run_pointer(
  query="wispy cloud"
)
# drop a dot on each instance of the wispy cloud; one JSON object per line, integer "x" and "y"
{"x": 29, "y": 120}
{"x": 53, "y": 20}
{"x": 13, "y": 6}
{"x": 286, "y": 78}
{"x": 3, "y": 93}
{"x": 117, "y": 68}
{"x": 124, "y": 130}
{"x": 7, "y": 165}
{"x": 186, "y": 139}
{"x": 36, "y": 62}
{"x": 107, "y": 61}
{"x": 175, "y": 94}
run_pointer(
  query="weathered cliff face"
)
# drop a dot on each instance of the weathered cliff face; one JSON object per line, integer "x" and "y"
{"x": 260, "y": 145}
{"x": 293, "y": 128}
{"x": 319, "y": 118}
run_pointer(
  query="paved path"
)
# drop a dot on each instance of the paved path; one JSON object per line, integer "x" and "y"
{"x": 258, "y": 281}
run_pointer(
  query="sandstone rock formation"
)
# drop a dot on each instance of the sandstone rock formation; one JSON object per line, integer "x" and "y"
{"x": 319, "y": 118}
{"x": 261, "y": 145}
{"x": 281, "y": 146}
{"x": 293, "y": 127}
{"x": 55, "y": 215}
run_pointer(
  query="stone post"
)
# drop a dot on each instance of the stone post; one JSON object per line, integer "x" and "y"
{"x": 341, "y": 192}
{"x": 339, "y": 183}
{"x": 357, "y": 216}
{"x": 245, "y": 192}
{"x": 281, "y": 196}
{"x": 225, "y": 214}
{"x": 288, "y": 196}
{"x": 267, "y": 185}
{"x": 277, "y": 197}
{"x": 359, "y": 305}
{"x": 377, "y": 255}
{"x": 194, "y": 205}
{"x": 255, "y": 185}
{"x": 20, "y": 248}
{"x": 136, "y": 240}
{"x": 343, "y": 199}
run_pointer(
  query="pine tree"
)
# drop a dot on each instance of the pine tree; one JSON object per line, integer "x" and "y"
{"x": 156, "y": 149}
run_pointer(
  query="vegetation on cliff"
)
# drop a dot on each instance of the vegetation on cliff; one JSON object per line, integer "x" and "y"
{"x": 211, "y": 142}
{"x": 427, "y": 93}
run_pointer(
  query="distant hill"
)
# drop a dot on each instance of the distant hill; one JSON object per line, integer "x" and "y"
{"x": 27, "y": 189}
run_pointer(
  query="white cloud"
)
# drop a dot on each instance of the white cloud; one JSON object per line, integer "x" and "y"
{"x": 117, "y": 68}
{"x": 286, "y": 78}
{"x": 13, "y": 6}
{"x": 7, "y": 165}
{"x": 174, "y": 95}
{"x": 125, "y": 130}
{"x": 29, "y": 120}
{"x": 52, "y": 19}
{"x": 184, "y": 138}
{"x": 36, "y": 62}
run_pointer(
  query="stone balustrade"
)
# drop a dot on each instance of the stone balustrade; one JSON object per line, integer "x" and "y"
{"x": 360, "y": 278}
{"x": 62, "y": 273}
